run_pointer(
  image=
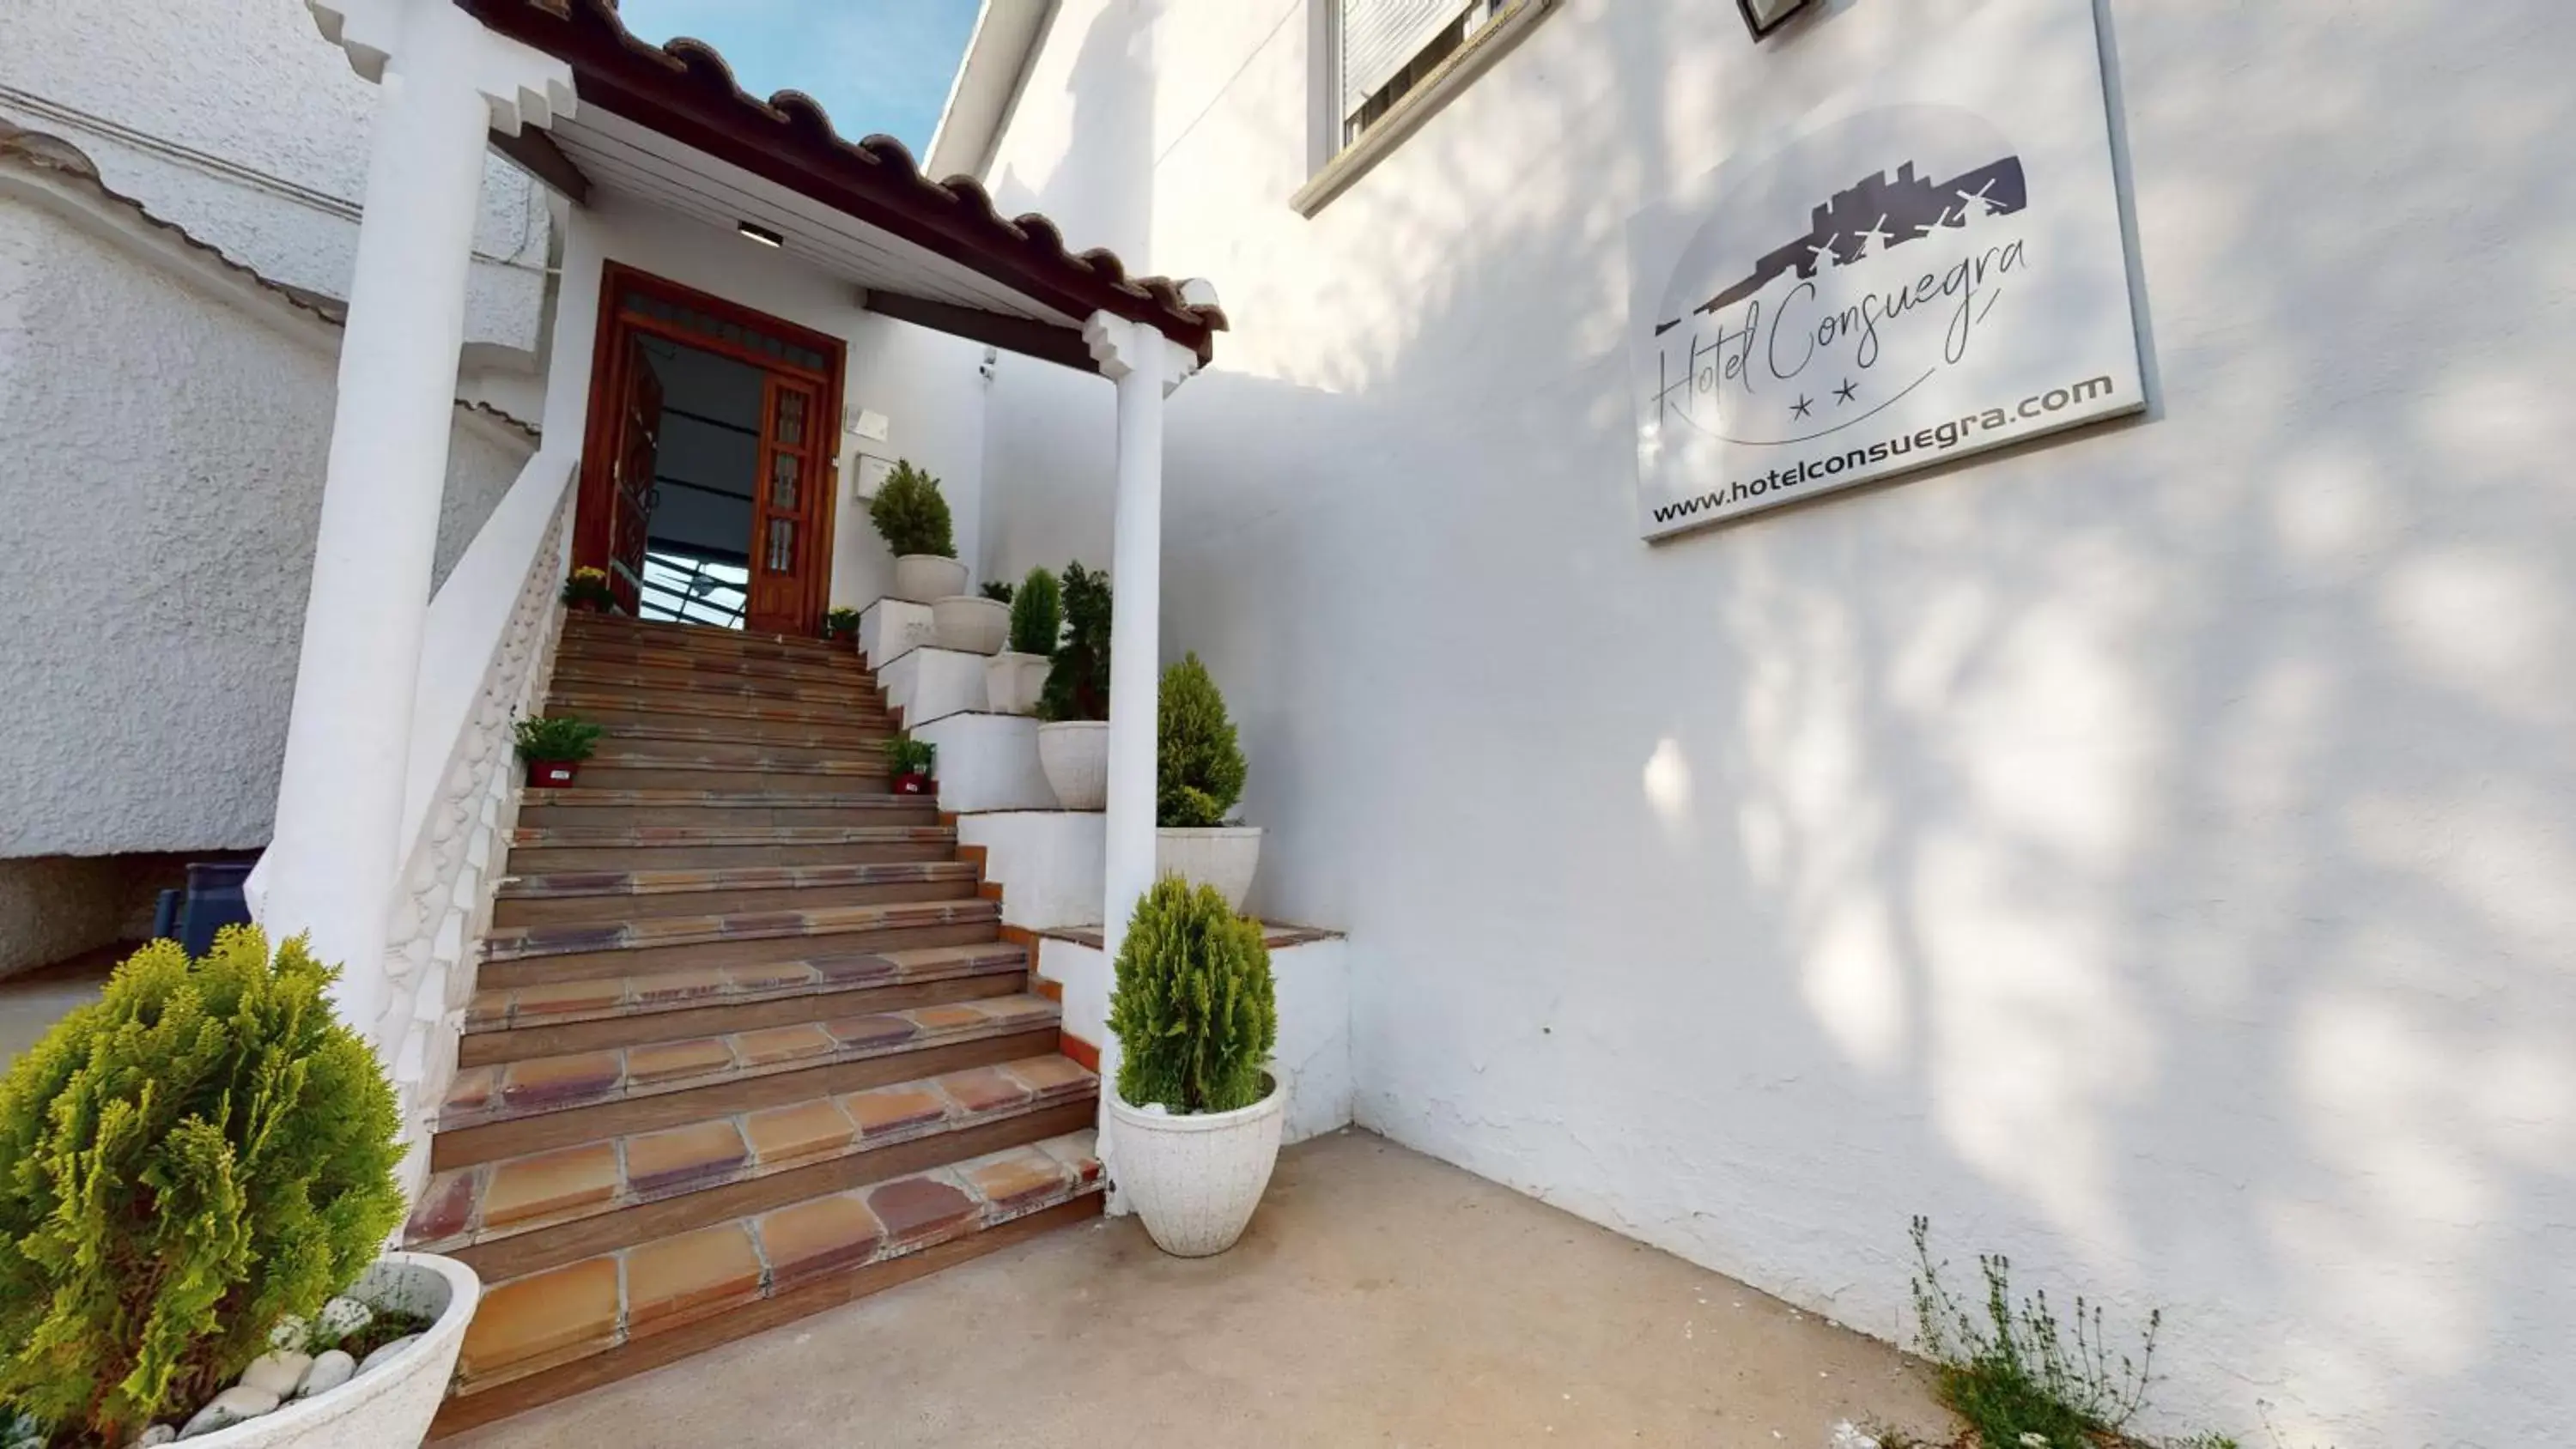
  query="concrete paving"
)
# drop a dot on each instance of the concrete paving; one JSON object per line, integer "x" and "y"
{"x": 32, "y": 1001}
{"x": 1381, "y": 1298}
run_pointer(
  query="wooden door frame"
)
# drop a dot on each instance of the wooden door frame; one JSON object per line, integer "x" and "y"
{"x": 592, "y": 506}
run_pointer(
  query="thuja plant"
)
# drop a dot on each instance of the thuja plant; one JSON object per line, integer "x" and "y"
{"x": 1037, "y": 614}
{"x": 197, "y": 1155}
{"x": 910, "y": 515}
{"x": 1077, "y": 687}
{"x": 1199, "y": 768}
{"x": 1193, "y": 1005}
{"x": 2017, "y": 1374}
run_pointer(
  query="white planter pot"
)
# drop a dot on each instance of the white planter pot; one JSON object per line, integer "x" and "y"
{"x": 391, "y": 1404}
{"x": 1013, "y": 682}
{"x": 1223, "y": 856}
{"x": 1196, "y": 1180}
{"x": 1075, "y": 756}
{"x": 926, "y": 578}
{"x": 970, "y": 624}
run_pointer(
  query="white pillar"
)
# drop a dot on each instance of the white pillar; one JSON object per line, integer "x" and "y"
{"x": 330, "y": 869}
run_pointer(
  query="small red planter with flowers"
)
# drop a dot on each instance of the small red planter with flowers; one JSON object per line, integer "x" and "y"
{"x": 911, "y": 762}
{"x": 554, "y": 747}
{"x": 587, "y": 592}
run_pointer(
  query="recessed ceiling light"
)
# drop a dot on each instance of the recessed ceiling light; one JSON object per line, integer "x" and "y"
{"x": 761, "y": 234}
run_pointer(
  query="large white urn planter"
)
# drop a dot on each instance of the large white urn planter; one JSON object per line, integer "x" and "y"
{"x": 1013, "y": 681}
{"x": 1195, "y": 1180}
{"x": 1223, "y": 856}
{"x": 391, "y": 1404}
{"x": 926, "y": 578}
{"x": 1075, "y": 756}
{"x": 970, "y": 624}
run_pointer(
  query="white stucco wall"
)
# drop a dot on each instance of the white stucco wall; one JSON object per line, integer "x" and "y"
{"x": 2147, "y": 855}
{"x": 923, "y": 382}
{"x": 252, "y": 85}
{"x": 161, "y": 455}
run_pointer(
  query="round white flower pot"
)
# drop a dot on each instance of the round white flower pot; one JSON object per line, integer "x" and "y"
{"x": 1013, "y": 681}
{"x": 1195, "y": 1180}
{"x": 1223, "y": 856}
{"x": 1075, "y": 756}
{"x": 926, "y": 578}
{"x": 391, "y": 1404}
{"x": 970, "y": 624}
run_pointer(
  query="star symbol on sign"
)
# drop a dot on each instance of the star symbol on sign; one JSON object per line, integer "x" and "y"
{"x": 1802, "y": 407}
{"x": 1848, "y": 391}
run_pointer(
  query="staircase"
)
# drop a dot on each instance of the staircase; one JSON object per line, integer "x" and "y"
{"x": 746, "y": 1041}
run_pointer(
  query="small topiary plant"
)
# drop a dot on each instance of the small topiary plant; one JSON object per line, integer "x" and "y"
{"x": 1199, "y": 767}
{"x": 1037, "y": 614}
{"x": 905, "y": 755}
{"x": 841, "y": 624}
{"x": 1077, "y": 688}
{"x": 1193, "y": 1006}
{"x": 202, "y": 1152}
{"x": 910, "y": 515}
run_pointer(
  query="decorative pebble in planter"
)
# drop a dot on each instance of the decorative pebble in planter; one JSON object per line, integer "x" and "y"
{"x": 332, "y": 1399}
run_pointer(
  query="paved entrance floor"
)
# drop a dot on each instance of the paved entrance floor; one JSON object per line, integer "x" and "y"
{"x": 1381, "y": 1298}
{"x": 32, "y": 1001}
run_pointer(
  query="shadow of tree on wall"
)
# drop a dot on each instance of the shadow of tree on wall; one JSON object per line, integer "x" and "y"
{"x": 2147, "y": 852}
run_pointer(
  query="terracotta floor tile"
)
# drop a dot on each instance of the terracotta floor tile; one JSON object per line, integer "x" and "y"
{"x": 1017, "y": 1179}
{"x": 983, "y": 1089}
{"x": 891, "y": 1109}
{"x": 658, "y": 1162}
{"x": 851, "y": 970}
{"x": 560, "y": 1081}
{"x": 920, "y": 1210}
{"x": 663, "y": 1061}
{"x": 700, "y": 1270}
{"x": 567, "y": 998}
{"x": 567, "y": 1308}
{"x": 783, "y": 1044}
{"x": 446, "y": 1206}
{"x": 664, "y": 987}
{"x": 1056, "y": 1076}
{"x": 783, "y": 1134}
{"x": 1078, "y": 1151}
{"x": 473, "y": 1090}
{"x": 819, "y": 1236}
{"x": 550, "y": 1182}
{"x": 870, "y": 1031}
{"x": 779, "y": 976}
{"x": 1029, "y": 1009}
{"x": 946, "y": 1018}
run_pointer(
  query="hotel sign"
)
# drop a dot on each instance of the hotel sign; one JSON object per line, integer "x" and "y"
{"x": 1924, "y": 275}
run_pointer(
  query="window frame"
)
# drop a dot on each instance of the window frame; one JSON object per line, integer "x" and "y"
{"x": 1332, "y": 166}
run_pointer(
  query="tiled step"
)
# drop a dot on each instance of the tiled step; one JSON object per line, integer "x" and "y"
{"x": 582, "y": 805}
{"x": 503, "y": 944}
{"x": 855, "y": 692}
{"x": 598, "y": 895}
{"x": 624, "y": 772}
{"x": 548, "y": 1102}
{"x": 549, "y": 1335}
{"x": 505, "y": 1024}
{"x": 842, "y": 668}
{"x": 685, "y": 738}
{"x": 612, "y": 701}
{"x": 525, "y": 1214}
{"x": 736, "y": 642}
{"x": 681, "y": 847}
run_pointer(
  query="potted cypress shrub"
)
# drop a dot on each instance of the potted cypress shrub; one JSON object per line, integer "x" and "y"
{"x": 200, "y": 1176}
{"x": 1014, "y": 678}
{"x": 910, "y": 762}
{"x": 1198, "y": 776}
{"x": 554, "y": 747}
{"x": 841, "y": 626}
{"x": 912, "y": 517}
{"x": 1195, "y": 1115}
{"x": 1073, "y": 744}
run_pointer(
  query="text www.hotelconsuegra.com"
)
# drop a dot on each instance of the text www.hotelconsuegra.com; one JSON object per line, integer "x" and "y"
{"x": 1940, "y": 438}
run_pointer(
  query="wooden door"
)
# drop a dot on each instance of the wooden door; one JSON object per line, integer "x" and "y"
{"x": 630, "y": 479}
{"x": 788, "y": 552}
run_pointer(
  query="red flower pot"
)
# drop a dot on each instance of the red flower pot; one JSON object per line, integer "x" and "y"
{"x": 552, "y": 774}
{"x": 912, "y": 784}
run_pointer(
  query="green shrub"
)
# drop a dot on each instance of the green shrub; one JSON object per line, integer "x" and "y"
{"x": 2013, "y": 1371}
{"x": 1198, "y": 768}
{"x": 200, "y": 1153}
{"x": 1192, "y": 1007}
{"x": 997, "y": 591}
{"x": 557, "y": 737}
{"x": 589, "y": 586}
{"x": 1077, "y": 688}
{"x": 840, "y": 623}
{"x": 908, "y": 756}
{"x": 910, "y": 515}
{"x": 1037, "y": 614}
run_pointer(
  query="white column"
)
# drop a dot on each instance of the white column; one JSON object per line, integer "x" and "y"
{"x": 331, "y": 867}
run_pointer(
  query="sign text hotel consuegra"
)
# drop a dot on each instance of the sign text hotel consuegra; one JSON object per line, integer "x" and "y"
{"x": 1926, "y": 274}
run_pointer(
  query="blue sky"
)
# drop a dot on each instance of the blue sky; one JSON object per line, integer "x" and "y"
{"x": 876, "y": 65}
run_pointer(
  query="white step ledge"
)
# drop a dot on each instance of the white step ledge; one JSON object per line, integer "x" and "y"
{"x": 929, "y": 683}
{"x": 1050, "y": 864}
{"x": 987, "y": 762}
{"x": 891, "y": 627}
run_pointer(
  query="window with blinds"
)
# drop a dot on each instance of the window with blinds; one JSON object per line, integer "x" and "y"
{"x": 1386, "y": 47}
